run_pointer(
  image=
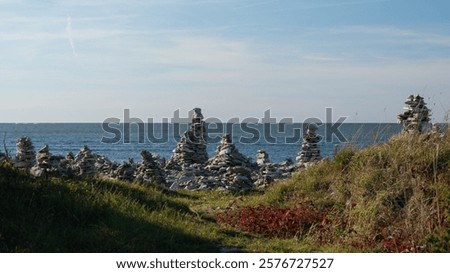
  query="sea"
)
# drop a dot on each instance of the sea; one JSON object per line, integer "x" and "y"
{"x": 120, "y": 142}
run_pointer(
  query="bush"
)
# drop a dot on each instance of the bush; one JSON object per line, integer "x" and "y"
{"x": 272, "y": 222}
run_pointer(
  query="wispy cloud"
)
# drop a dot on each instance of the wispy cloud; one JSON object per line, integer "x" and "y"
{"x": 206, "y": 51}
{"x": 397, "y": 34}
{"x": 30, "y": 36}
{"x": 69, "y": 35}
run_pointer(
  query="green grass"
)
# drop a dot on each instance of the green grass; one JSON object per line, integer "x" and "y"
{"x": 385, "y": 198}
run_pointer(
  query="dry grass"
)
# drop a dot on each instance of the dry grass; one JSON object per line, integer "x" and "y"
{"x": 390, "y": 197}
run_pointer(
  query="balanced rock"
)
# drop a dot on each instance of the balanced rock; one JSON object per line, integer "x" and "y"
{"x": 236, "y": 169}
{"x": 125, "y": 171}
{"x": 271, "y": 172}
{"x": 104, "y": 166}
{"x": 227, "y": 155}
{"x": 46, "y": 163}
{"x": 310, "y": 151}
{"x": 25, "y": 154}
{"x": 67, "y": 166}
{"x": 192, "y": 148}
{"x": 262, "y": 158}
{"x": 85, "y": 162}
{"x": 149, "y": 170}
{"x": 416, "y": 116}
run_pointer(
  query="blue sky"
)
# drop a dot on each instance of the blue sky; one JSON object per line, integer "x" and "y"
{"x": 87, "y": 60}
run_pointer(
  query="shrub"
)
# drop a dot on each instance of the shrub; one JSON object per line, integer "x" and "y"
{"x": 271, "y": 221}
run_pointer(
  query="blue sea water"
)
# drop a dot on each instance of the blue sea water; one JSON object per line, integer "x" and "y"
{"x": 281, "y": 141}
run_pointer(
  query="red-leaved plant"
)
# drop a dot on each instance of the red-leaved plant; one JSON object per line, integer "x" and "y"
{"x": 272, "y": 222}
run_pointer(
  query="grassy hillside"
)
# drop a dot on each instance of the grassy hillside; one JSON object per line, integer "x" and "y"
{"x": 393, "y": 197}
{"x": 388, "y": 198}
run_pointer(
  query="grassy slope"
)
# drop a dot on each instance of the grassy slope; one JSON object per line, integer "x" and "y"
{"x": 391, "y": 197}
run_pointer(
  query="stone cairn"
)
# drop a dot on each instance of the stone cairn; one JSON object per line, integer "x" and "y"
{"x": 235, "y": 169}
{"x": 149, "y": 170}
{"x": 192, "y": 148}
{"x": 416, "y": 116}
{"x": 25, "y": 155}
{"x": 125, "y": 171}
{"x": 67, "y": 166}
{"x": 262, "y": 158}
{"x": 269, "y": 172}
{"x": 46, "y": 163}
{"x": 104, "y": 166}
{"x": 85, "y": 162}
{"x": 43, "y": 158}
{"x": 310, "y": 151}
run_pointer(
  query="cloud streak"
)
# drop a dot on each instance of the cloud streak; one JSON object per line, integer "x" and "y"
{"x": 69, "y": 35}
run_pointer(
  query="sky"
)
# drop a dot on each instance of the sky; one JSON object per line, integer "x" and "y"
{"x": 88, "y": 60}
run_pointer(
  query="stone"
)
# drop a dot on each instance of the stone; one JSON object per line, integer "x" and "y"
{"x": 262, "y": 157}
{"x": 125, "y": 171}
{"x": 269, "y": 173}
{"x": 416, "y": 116}
{"x": 192, "y": 147}
{"x": 85, "y": 162}
{"x": 104, "y": 166}
{"x": 25, "y": 154}
{"x": 46, "y": 163}
{"x": 149, "y": 170}
{"x": 310, "y": 151}
{"x": 174, "y": 186}
{"x": 230, "y": 167}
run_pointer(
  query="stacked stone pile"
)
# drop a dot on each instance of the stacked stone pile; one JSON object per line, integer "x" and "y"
{"x": 310, "y": 151}
{"x": 262, "y": 158}
{"x": 238, "y": 179}
{"x": 25, "y": 155}
{"x": 416, "y": 116}
{"x": 67, "y": 166}
{"x": 191, "y": 148}
{"x": 227, "y": 155}
{"x": 234, "y": 168}
{"x": 270, "y": 172}
{"x": 125, "y": 171}
{"x": 43, "y": 158}
{"x": 46, "y": 160}
{"x": 104, "y": 166}
{"x": 85, "y": 162}
{"x": 149, "y": 170}
{"x": 193, "y": 177}
{"x": 229, "y": 170}
{"x": 46, "y": 163}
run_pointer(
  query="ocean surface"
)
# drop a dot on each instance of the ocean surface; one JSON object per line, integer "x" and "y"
{"x": 119, "y": 142}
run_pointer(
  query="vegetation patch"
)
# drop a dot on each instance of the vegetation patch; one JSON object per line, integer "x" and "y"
{"x": 273, "y": 222}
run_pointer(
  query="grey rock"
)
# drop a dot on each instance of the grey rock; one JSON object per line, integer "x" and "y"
{"x": 416, "y": 116}
{"x": 25, "y": 154}
{"x": 191, "y": 149}
{"x": 310, "y": 151}
{"x": 149, "y": 170}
